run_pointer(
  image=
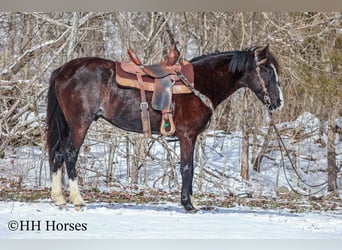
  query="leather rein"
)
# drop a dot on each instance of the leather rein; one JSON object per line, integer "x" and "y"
{"x": 280, "y": 140}
{"x": 205, "y": 100}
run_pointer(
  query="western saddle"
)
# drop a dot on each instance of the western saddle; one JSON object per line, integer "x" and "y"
{"x": 163, "y": 79}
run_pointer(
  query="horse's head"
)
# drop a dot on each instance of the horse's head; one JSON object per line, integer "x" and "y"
{"x": 262, "y": 77}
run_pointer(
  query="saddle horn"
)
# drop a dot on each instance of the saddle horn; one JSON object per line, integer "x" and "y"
{"x": 173, "y": 55}
{"x": 134, "y": 57}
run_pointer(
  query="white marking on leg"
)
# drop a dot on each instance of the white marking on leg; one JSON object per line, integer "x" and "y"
{"x": 56, "y": 188}
{"x": 75, "y": 195}
{"x": 192, "y": 200}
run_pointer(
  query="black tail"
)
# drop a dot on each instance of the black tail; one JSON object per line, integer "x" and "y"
{"x": 57, "y": 127}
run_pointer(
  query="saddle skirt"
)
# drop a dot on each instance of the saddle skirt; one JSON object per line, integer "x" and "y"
{"x": 126, "y": 76}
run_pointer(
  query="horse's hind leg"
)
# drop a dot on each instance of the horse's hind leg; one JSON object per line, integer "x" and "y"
{"x": 56, "y": 187}
{"x": 71, "y": 151}
{"x": 68, "y": 154}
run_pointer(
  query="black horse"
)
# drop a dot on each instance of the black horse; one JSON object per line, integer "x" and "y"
{"x": 84, "y": 89}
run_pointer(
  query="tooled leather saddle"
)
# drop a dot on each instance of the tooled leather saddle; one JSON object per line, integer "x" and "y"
{"x": 163, "y": 79}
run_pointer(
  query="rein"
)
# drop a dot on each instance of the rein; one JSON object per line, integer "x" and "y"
{"x": 280, "y": 140}
{"x": 294, "y": 168}
{"x": 206, "y": 101}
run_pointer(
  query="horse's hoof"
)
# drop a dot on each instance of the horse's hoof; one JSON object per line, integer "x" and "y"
{"x": 79, "y": 207}
{"x": 192, "y": 211}
{"x": 77, "y": 200}
{"x": 190, "y": 205}
{"x": 58, "y": 199}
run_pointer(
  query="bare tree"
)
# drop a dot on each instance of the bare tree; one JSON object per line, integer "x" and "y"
{"x": 308, "y": 46}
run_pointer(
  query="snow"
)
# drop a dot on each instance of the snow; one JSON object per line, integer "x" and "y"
{"x": 219, "y": 154}
{"x": 164, "y": 221}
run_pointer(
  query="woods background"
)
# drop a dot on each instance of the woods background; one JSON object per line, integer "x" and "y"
{"x": 307, "y": 45}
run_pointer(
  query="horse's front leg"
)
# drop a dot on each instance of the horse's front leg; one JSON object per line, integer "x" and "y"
{"x": 187, "y": 146}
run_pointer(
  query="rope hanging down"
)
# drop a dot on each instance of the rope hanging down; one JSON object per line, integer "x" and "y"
{"x": 282, "y": 145}
{"x": 267, "y": 101}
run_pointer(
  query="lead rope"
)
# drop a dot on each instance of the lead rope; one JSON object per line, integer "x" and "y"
{"x": 281, "y": 143}
{"x": 206, "y": 101}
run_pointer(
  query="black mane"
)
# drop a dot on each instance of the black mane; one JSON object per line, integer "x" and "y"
{"x": 240, "y": 61}
{"x": 206, "y": 56}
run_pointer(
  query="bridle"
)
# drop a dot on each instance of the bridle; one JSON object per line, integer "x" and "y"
{"x": 281, "y": 143}
{"x": 267, "y": 98}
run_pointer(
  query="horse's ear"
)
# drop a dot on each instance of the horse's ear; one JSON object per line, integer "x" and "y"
{"x": 263, "y": 54}
{"x": 255, "y": 49}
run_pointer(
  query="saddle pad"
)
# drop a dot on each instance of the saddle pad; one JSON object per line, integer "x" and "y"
{"x": 130, "y": 80}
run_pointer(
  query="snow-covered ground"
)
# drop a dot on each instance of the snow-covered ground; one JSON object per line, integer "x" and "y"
{"x": 217, "y": 172}
{"x": 166, "y": 221}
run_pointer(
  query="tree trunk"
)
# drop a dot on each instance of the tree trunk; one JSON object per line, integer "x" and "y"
{"x": 331, "y": 153}
{"x": 73, "y": 35}
{"x": 256, "y": 165}
{"x": 245, "y": 142}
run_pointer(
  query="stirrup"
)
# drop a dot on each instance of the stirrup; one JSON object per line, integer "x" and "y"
{"x": 167, "y": 122}
{"x": 165, "y": 125}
